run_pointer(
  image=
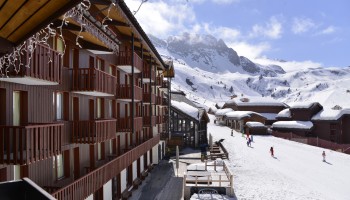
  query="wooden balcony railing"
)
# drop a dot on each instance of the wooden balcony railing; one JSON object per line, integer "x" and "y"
{"x": 148, "y": 73}
{"x": 93, "y": 80}
{"x": 91, "y": 182}
{"x": 160, "y": 119}
{"x": 159, "y": 81}
{"x": 147, "y": 133}
{"x": 125, "y": 125}
{"x": 149, "y": 120}
{"x": 124, "y": 92}
{"x": 165, "y": 84}
{"x": 124, "y": 58}
{"x": 93, "y": 131}
{"x": 149, "y": 98}
{"x": 159, "y": 100}
{"x": 45, "y": 64}
{"x": 26, "y": 144}
{"x": 165, "y": 101}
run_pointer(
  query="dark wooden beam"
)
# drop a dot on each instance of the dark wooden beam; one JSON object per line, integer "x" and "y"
{"x": 89, "y": 45}
{"x": 139, "y": 49}
{"x": 69, "y": 26}
{"x": 129, "y": 38}
{"x": 6, "y": 46}
{"x": 100, "y": 2}
{"x": 116, "y": 23}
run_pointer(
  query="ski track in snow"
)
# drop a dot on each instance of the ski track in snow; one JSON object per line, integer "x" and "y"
{"x": 297, "y": 173}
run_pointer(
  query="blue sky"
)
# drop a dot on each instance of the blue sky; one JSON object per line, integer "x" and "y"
{"x": 308, "y": 32}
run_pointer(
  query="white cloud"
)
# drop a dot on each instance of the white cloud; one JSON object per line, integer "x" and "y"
{"x": 161, "y": 19}
{"x": 272, "y": 29}
{"x": 328, "y": 30}
{"x": 302, "y": 25}
{"x": 289, "y": 65}
{"x": 250, "y": 51}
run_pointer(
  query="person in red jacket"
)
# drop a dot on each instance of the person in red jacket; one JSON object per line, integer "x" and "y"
{"x": 271, "y": 151}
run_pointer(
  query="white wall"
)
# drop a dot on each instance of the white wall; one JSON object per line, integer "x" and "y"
{"x": 123, "y": 180}
{"x": 16, "y": 172}
{"x": 91, "y": 197}
{"x": 148, "y": 158}
{"x": 134, "y": 170}
{"x": 141, "y": 164}
{"x": 155, "y": 154}
{"x": 107, "y": 190}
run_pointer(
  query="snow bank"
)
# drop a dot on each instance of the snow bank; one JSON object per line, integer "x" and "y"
{"x": 299, "y": 105}
{"x": 293, "y": 124}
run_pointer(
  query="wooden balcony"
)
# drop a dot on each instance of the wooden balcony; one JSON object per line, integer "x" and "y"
{"x": 93, "y": 131}
{"x": 125, "y": 124}
{"x": 149, "y": 121}
{"x": 44, "y": 68}
{"x": 147, "y": 133}
{"x": 124, "y": 93}
{"x": 159, "y": 81}
{"x": 148, "y": 74}
{"x": 125, "y": 62}
{"x": 93, "y": 82}
{"x": 159, "y": 100}
{"x": 165, "y": 101}
{"x": 149, "y": 98}
{"x": 21, "y": 145}
{"x": 164, "y": 84}
{"x": 160, "y": 119}
{"x": 91, "y": 182}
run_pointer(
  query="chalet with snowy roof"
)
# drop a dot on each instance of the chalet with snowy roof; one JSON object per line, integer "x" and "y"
{"x": 304, "y": 111}
{"x": 219, "y": 115}
{"x": 256, "y": 104}
{"x": 188, "y": 122}
{"x": 302, "y": 128}
{"x": 255, "y": 128}
{"x": 284, "y": 115}
{"x": 332, "y": 125}
{"x": 238, "y": 119}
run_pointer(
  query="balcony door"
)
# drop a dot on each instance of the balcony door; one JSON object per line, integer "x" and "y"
{"x": 76, "y": 163}
{"x": 19, "y": 109}
{"x": 91, "y": 109}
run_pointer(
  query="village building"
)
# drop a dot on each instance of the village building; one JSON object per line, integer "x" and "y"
{"x": 255, "y": 128}
{"x": 188, "y": 124}
{"x": 82, "y": 104}
{"x": 219, "y": 116}
{"x": 237, "y": 119}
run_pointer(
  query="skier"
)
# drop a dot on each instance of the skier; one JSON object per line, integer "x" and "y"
{"x": 249, "y": 142}
{"x": 324, "y": 156}
{"x": 231, "y": 132}
{"x": 271, "y": 151}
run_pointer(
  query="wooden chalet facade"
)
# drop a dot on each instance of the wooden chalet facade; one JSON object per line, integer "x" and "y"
{"x": 188, "y": 124}
{"x": 84, "y": 120}
{"x": 259, "y": 105}
{"x": 238, "y": 119}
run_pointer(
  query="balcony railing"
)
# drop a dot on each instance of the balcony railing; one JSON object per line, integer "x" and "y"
{"x": 147, "y": 133}
{"x": 125, "y": 124}
{"x": 165, "y": 101}
{"x": 91, "y": 80}
{"x": 149, "y": 120}
{"x": 165, "y": 84}
{"x": 125, "y": 61}
{"x": 91, "y": 182}
{"x": 159, "y": 81}
{"x": 148, "y": 73}
{"x": 160, "y": 119}
{"x": 159, "y": 100}
{"x": 26, "y": 144}
{"x": 124, "y": 92}
{"x": 45, "y": 66}
{"x": 149, "y": 98}
{"x": 93, "y": 131}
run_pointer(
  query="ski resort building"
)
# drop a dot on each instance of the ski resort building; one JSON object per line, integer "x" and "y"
{"x": 237, "y": 119}
{"x": 188, "y": 124}
{"x": 83, "y": 101}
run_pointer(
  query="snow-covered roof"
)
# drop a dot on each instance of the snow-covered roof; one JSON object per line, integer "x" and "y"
{"x": 293, "y": 124}
{"x": 256, "y": 101}
{"x": 254, "y": 124}
{"x": 240, "y": 114}
{"x": 330, "y": 114}
{"x": 186, "y": 108}
{"x": 284, "y": 113}
{"x": 213, "y": 108}
{"x": 220, "y": 104}
{"x": 222, "y": 112}
{"x": 299, "y": 105}
{"x": 269, "y": 116}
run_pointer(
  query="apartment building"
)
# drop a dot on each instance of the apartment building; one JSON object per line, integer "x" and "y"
{"x": 82, "y": 111}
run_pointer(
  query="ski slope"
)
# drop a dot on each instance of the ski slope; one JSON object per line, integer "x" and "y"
{"x": 296, "y": 173}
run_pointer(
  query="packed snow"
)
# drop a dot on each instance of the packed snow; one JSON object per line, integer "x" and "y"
{"x": 240, "y": 114}
{"x": 298, "y": 105}
{"x": 295, "y": 173}
{"x": 222, "y": 112}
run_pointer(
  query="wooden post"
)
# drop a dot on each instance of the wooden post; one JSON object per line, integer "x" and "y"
{"x": 220, "y": 180}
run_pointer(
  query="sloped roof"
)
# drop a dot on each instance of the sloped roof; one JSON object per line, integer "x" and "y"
{"x": 269, "y": 116}
{"x": 330, "y": 114}
{"x": 307, "y": 125}
{"x": 254, "y": 124}
{"x": 284, "y": 113}
{"x": 222, "y": 112}
{"x": 302, "y": 105}
{"x": 256, "y": 101}
{"x": 241, "y": 114}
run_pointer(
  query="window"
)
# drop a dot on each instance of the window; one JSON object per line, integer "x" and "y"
{"x": 59, "y": 106}
{"x": 58, "y": 166}
{"x": 110, "y": 113}
{"x": 100, "y": 64}
{"x": 16, "y": 108}
{"x": 99, "y": 109}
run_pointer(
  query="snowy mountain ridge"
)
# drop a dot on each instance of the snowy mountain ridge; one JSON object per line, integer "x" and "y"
{"x": 209, "y": 72}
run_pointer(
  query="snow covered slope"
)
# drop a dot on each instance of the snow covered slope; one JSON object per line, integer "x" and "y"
{"x": 208, "y": 72}
{"x": 297, "y": 172}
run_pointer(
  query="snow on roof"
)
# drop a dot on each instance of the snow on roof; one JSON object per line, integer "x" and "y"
{"x": 186, "y": 108}
{"x": 213, "y": 108}
{"x": 256, "y": 101}
{"x": 221, "y": 112}
{"x": 240, "y": 114}
{"x": 284, "y": 113}
{"x": 269, "y": 116}
{"x": 293, "y": 124}
{"x": 254, "y": 124}
{"x": 330, "y": 114}
{"x": 298, "y": 105}
{"x": 220, "y": 104}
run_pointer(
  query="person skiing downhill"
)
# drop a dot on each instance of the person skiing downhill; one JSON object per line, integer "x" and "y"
{"x": 324, "y": 156}
{"x": 231, "y": 132}
{"x": 271, "y": 151}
